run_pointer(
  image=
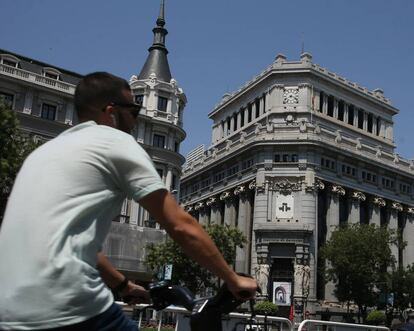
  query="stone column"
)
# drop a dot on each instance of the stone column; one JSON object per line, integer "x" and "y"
{"x": 230, "y": 210}
{"x": 346, "y": 113}
{"x": 261, "y": 110}
{"x": 69, "y": 113}
{"x": 335, "y": 113}
{"x": 246, "y": 116}
{"x": 365, "y": 125}
{"x": 356, "y": 112}
{"x": 168, "y": 178}
{"x": 133, "y": 212}
{"x": 253, "y": 110}
{"x": 393, "y": 225}
{"x": 354, "y": 215}
{"x": 332, "y": 215}
{"x": 374, "y": 125}
{"x": 28, "y": 102}
{"x": 332, "y": 221}
{"x": 202, "y": 219}
{"x": 325, "y": 104}
{"x": 232, "y": 124}
{"x": 215, "y": 216}
{"x": 408, "y": 235}
{"x": 244, "y": 225}
{"x": 239, "y": 123}
{"x": 377, "y": 204}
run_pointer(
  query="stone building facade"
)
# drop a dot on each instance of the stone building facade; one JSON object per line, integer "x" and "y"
{"x": 42, "y": 96}
{"x": 295, "y": 152}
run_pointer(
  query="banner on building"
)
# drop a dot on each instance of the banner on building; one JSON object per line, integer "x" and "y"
{"x": 282, "y": 292}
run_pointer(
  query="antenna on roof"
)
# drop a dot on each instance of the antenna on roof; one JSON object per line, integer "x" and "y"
{"x": 303, "y": 42}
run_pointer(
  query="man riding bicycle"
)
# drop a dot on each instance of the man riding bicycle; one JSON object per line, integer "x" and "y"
{"x": 54, "y": 275}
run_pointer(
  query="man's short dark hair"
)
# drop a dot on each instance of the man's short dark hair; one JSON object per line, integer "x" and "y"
{"x": 98, "y": 89}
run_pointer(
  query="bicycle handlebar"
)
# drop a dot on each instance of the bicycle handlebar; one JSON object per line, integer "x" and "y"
{"x": 205, "y": 312}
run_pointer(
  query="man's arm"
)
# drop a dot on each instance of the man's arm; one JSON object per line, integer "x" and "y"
{"x": 194, "y": 241}
{"x": 113, "y": 278}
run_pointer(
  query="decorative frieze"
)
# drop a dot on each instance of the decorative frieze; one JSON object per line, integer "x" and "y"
{"x": 379, "y": 202}
{"x": 284, "y": 186}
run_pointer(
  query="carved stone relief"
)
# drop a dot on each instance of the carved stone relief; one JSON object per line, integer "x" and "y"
{"x": 358, "y": 196}
{"x": 380, "y": 202}
{"x": 337, "y": 189}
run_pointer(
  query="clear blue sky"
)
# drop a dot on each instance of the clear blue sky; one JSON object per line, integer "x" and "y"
{"x": 217, "y": 45}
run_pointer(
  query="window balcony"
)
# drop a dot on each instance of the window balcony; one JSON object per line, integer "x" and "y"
{"x": 33, "y": 78}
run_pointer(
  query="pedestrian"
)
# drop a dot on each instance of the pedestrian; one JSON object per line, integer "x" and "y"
{"x": 54, "y": 275}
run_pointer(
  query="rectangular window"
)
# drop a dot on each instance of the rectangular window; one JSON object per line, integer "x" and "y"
{"x": 242, "y": 117}
{"x": 7, "y": 99}
{"x": 249, "y": 113}
{"x": 176, "y": 146}
{"x": 162, "y": 104}
{"x": 257, "y": 102}
{"x": 360, "y": 119}
{"x": 50, "y": 75}
{"x": 341, "y": 110}
{"x": 264, "y": 103}
{"x": 139, "y": 98}
{"x": 370, "y": 122}
{"x": 277, "y": 158}
{"x": 351, "y": 114}
{"x": 331, "y": 106}
{"x": 10, "y": 63}
{"x": 321, "y": 99}
{"x": 294, "y": 158}
{"x": 285, "y": 157}
{"x": 48, "y": 112}
{"x": 174, "y": 182}
{"x": 158, "y": 141}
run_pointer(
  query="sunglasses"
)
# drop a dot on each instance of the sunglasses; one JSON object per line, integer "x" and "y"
{"x": 133, "y": 106}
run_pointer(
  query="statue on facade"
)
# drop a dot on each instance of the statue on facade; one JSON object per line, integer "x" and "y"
{"x": 306, "y": 280}
{"x": 262, "y": 276}
{"x": 298, "y": 279}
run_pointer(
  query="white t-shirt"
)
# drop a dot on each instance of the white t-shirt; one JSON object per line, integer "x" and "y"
{"x": 58, "y": 215}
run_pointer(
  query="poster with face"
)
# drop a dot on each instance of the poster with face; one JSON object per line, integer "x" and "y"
{"x": 281, "y": 293}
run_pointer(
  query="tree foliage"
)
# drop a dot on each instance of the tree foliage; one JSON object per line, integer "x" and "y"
{"x": 15, "y": 146}
{"x": 359, "y": 256}
{"x": 187, "y": 271}
{"x": 266, "y": 307}
{"x": 401, "y": 284}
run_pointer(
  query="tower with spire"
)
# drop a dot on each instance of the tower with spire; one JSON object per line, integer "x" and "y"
{"x": 160, "y": 123}
{"x": 159, "y": 131}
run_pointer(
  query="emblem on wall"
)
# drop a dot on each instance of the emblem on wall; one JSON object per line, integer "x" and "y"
{"x": 284, "y": 206}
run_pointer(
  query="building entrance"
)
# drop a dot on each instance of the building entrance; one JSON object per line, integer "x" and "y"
{"x": 281, "y": 284}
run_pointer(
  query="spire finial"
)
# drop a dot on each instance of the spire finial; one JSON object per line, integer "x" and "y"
{"x": 161, "y": 17}
{"x": 157, "y": 61}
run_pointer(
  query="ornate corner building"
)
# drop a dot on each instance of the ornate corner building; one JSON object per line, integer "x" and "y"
{"x": 295, "y": 152}
{"x": 42, "y": 96}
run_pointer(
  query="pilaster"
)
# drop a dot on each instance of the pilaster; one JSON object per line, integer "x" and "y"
{"x": 354, "y": 215}
{"x": 408, "y": 235}
{"x": 393, "y": 225}
{"x": 376, "y": 205}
